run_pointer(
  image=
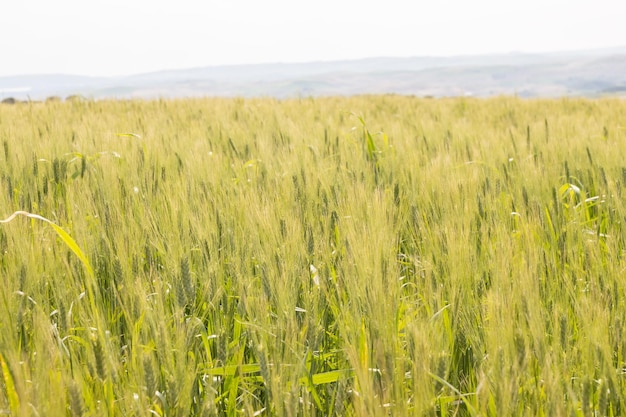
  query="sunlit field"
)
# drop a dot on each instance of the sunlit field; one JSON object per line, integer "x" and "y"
{"x": 368, "y": 256}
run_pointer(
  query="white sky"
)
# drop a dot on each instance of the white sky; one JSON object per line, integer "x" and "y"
{"x": 116, "y": 37}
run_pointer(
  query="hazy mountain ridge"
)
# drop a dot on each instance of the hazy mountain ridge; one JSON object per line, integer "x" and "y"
{"x": 583, "y": 73}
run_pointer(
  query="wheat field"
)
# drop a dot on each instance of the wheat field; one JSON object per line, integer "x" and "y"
{"x": 365, "y": 256}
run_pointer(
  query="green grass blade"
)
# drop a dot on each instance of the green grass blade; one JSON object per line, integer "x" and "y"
{"x": 330, "y": 377}
{"x": 65, "y": 237}
{"x": 230, "y": 370}
{"x": 9, "y": 384}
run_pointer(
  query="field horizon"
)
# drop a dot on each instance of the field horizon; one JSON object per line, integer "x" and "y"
{"x": 579, "y": 73}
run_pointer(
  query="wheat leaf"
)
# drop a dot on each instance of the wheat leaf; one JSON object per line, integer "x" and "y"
{"x": 65, "y": 237}
{"x": 9, "y": 385}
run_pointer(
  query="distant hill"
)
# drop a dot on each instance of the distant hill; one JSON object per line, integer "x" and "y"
{"x": 588, "y": 73}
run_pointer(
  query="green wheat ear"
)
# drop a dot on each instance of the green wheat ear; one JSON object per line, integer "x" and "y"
{"x": 67, "y": 239}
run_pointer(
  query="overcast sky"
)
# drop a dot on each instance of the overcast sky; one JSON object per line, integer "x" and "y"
{"x": 117, "y": 37}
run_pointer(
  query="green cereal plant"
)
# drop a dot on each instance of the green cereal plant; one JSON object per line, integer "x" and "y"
{"x": 360, "y": 256}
